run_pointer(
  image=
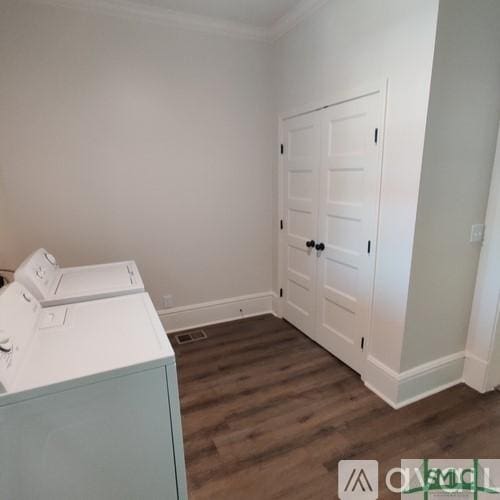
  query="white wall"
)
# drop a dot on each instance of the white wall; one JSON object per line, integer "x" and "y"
{"x": 458, "y": 157}
{"x": 7, "y": 242}
{"x": 120, "y": 138}
{"x": 346, "y": 44}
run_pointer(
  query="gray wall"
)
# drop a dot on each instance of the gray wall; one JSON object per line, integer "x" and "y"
{"x": 458, "y": 157}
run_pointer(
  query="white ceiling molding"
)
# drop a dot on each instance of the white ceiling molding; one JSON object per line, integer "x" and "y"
{"x": 166, "y": 17}
{"x": 298, "y": 14}
{"x": 169, "y": 17}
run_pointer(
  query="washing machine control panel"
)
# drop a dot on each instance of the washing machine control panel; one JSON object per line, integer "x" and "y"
{"x": 19, "y": 311}
{"x": 6, "y": 356}
{"x": 38, "y": 273}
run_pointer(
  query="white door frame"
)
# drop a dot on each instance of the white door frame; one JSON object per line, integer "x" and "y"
{"x": 381, "y": 86}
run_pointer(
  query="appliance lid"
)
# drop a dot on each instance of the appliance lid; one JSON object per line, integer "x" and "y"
{"x": 96, "y": 339}
{"x": 88, "y": 280}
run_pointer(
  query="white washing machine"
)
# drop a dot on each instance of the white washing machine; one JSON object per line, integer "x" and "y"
{"x": 52, "y": 285}
{"x": 89, "y": 404}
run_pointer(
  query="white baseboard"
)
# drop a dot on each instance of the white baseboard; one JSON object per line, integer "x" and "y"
{"x": 475, "y": 372}
{"x": 381, "y": 380}
{"x": 217, "y": 311}
{"x": 397, "y": 389}
{"x": 401, "y": 389}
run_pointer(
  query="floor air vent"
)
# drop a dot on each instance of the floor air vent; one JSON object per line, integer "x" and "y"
{"x": 186, "y": 338}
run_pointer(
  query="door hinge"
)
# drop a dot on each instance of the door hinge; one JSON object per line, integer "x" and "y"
{"x": 281, "y": 224}
{"x": 362, "y": 343}
{"x": 281, "y": 292}
{"x": 369, "y": 247}
{"x": 376, "y": 136}
{"x": 282, "y": 149}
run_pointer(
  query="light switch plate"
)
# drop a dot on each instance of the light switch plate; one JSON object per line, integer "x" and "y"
{"x": 168, "y": 301}
{"x": 477, "y": 233}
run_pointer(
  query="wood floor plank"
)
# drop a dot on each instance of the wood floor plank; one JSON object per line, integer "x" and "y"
{"x": 268, "y": 414}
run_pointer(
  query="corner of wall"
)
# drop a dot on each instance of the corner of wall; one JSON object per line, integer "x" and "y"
{"x": 475, "y": 372}
{"x": 404, "y": 388}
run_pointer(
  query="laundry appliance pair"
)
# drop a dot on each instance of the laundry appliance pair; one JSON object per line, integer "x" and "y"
{"x": 89, "y": 403}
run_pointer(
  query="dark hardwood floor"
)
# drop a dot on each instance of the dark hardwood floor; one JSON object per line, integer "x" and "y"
{"x": 268, "y": 414}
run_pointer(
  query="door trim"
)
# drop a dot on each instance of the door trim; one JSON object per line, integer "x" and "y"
{"x": 381, "y": 86}
{"x": 337, "y": 97}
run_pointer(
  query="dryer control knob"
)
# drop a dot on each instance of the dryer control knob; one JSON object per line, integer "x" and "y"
{"x": 5, "y": 344}
{"x": 50, "y": 258}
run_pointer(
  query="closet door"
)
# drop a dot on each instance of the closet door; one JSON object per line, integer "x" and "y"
{"x": 348, "y": 214}
{"x": 301, "y": 183}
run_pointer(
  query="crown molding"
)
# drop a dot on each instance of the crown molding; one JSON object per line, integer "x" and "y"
{"x": 163, "y": 16}
{"x": 205, "y": 24}
{"x": 292, "y": 18}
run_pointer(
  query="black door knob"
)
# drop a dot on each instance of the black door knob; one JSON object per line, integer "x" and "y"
{"x": 320, "y": 247}
{"x": 310, "y": 244}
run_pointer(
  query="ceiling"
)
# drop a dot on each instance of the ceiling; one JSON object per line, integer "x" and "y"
{"x": 256, "y": 13}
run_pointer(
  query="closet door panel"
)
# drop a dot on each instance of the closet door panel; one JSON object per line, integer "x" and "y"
{"x": 348, "y": 207}
{"x": 301, "y": 183}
